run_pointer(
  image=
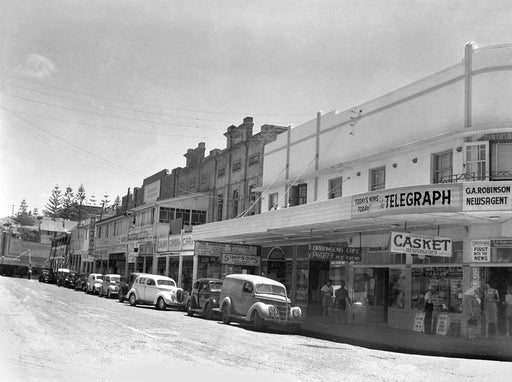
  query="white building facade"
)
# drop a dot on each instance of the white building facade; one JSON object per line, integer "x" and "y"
{"x": 405, "y": 192}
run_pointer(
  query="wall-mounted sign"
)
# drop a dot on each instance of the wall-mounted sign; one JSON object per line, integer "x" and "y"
{"x": 237, "y": 259}
{"x": 404, "y": 242}
{"x": 210, "y": 248}
{"x": 324, "y": 252}
{"x": 501, "y": 243}
{"x": 481, "y": 251}
{"x": 152, "y": 192}
{"x": 410, "y": 199}
{"x": 437, "y": 272}
{"x": 487, "y": 196}
{"x": 162, "y": 244}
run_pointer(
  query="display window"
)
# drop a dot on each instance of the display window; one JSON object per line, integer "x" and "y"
{"x": 396, "y": 296}
{"x": 446, "y": 284}
{"x": 369, "y": 286}
{"x": 208, "y": 267}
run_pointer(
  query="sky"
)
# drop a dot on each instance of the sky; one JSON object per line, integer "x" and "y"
{"x": 106, "y": 93}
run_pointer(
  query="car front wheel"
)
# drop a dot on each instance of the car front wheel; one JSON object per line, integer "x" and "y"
{"x": 259, "y": 322}
{"x": 225, "y": 314}
{"x": 189, "y": 309}
{"x": 208, "y": 311}
{"x": 160, "y": 304}
{"x": 108, "y": 293}
{"x": 133, "y": 300}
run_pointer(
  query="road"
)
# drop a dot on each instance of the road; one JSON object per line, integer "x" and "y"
{"x": 51, "y": 333}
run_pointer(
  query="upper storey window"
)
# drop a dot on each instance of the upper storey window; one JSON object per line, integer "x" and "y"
{"x": 475, "y": 161}
{"x": 377, "y": 178}
{"x": 335, "y": 187}
{"x": 442, "y": 167}
{"x": 501, "y": 160}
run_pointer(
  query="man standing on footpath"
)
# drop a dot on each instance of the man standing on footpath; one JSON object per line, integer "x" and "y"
{"x": 429, "y": 309}
{"x": 341, "y": 302}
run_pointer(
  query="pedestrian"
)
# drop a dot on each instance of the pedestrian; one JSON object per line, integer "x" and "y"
{"x": 508, "y": 308}
{"x": 326, "y": 300}
{"x": 491, "y": 299}
{"x": 428, "y": 309}
{"x": 470, "y": 312}
{"x": 341, "y": 298}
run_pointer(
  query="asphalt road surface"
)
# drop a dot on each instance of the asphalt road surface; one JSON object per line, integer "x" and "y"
{"x": 55, "y": 334}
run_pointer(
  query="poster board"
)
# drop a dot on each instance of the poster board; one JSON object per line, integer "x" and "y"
{"x": 419, "y": 322}
{"x": 443, "y": 324}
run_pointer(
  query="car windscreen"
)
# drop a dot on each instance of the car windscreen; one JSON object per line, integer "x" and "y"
{"x": 270, "y": 289}
{"x": 99, "y": 278}
{"x": 115, "y": 278}
{"x": 166, "y": 283}
{"x": 215, "y": 286}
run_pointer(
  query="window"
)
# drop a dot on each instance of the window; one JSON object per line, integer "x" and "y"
{"x": 442, "y": 167}
{"x": 298, "y": 195}
{"x": 377, "y": 178}
{"x": 501, "y": 161}
{"x": 335, "y": 188}
{"x": 253, "y": 159}
{"x": 252, "y": 194}
{"x": 476, "y": 161}
{"x": 235, "y": 204}
{"x": 192, "y": 183}
{"x": 273, "y": 201}
{"x": 221, "y": 171}
{"x": 247, "y": 288}
{"x": 220, "y": 206}
{"x": 204, "y": 178}
{"x": 237, "y": 166}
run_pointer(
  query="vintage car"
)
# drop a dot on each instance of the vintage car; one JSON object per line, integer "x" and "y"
{"x": 70, "y": 280}
{"x": 110, "y": 285}
{"x": 62, "y": 275}
{"x": 204, "y": 297}
{"x": 126, "y": 284}
{"x": 94, "y": 283}
{"x": 47, "y": 276}
{"x": 160, "y": 291}
{"x": 257, "y": 300}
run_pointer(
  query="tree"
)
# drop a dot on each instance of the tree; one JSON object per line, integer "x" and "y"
{"x": 54, "y": 205}
{"x": 92, "y": 200}
{"x": 67, "y": 204}
{"x": 35, "y": 212}
{"x": 117, "y": 203}
{"x": 105, "y": 201}
{"x": 79, "y": 200}
{"x": 22, "y": 211}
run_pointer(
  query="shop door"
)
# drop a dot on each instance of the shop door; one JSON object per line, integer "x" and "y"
{"x": 500, "y": 278}
{"x": 318, "y": 276}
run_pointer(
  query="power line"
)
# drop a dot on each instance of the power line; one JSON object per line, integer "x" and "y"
{"x": 150, "y": 105}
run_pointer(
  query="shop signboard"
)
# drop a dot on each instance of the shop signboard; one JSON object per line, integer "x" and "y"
{"x": 162, "y": 244}
{"x": 419, "y": 322}
{"x": 481, "y": 251}
{"x": 427, "y": 198}
{"x": 501, "y": 243}
{"x": 437, "y": 272}
{"x": 210, "y": 248}
{"x": 174, "y": 243}
{"x": 487, "y": 196}
{"x": 404, "y": 242}
{"x": 238, "y": 259}
{"x": 92, "y": 235}
{"x": 187, "y": 244}
{"x": 152, "y": 192}
{"x": 328, "y": 253}
{"x": 146, "y": 248}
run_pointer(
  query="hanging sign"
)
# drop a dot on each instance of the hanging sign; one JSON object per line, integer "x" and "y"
{"x": 404, "y": 242}
{"x": 481, "y": 251}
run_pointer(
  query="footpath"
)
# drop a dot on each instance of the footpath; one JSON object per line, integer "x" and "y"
{"x": 381, "y": 337}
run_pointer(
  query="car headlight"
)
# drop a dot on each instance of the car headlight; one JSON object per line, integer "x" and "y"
{"x": 273, "y": 312}
{"x": 296, "y": 312}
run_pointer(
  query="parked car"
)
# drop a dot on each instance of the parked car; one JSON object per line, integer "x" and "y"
{"x": 160, "y": 291}
{"x": 126, "y": 284}
{"x": 204, "y": 297}
{"x": 110, "y": 285}
{"x": 47, "y": 276}
{"x": 257, "y": 300}
{"x": 70, "y": 280}
{"x": 62, "y": 273}
{"x": 81, "y": 282}
{"x": 94, "y": 283}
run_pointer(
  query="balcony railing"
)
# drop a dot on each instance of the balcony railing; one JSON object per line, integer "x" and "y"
{"x": 475, "y": 177}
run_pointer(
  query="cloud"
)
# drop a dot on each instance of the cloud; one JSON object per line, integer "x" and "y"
{"x": 37, "y": 66}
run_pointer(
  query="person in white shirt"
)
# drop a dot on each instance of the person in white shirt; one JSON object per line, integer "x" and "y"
{"x": 508, "y": 308}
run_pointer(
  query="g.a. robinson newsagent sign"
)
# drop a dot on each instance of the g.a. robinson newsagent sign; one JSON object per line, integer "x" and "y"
{"x": 407, "y": 200}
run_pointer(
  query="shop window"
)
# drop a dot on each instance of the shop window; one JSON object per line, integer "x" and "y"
{"x": 501, "y": 161}
{"x": 335, "y": 187}
{"x": 396, "y": 297}
{"x": 273, "y": 201}
{"x": 442, "y": 167}
{"x": 377, "y": 178}
{"x": 475, "y": 161}
{"x": 446, "y": 284}
{"x": 369, "y": 286}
